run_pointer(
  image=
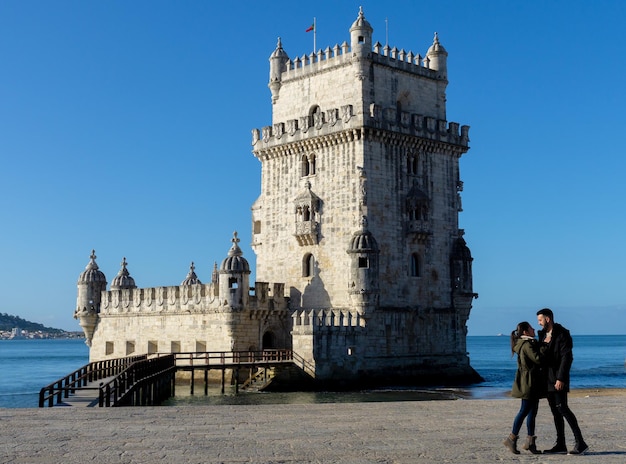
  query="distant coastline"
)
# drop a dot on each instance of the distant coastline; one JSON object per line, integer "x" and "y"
{"x": 38, "y": 335}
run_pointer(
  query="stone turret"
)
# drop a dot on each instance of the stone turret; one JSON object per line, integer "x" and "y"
{"x": 364, "y": 270}
{"x": 192, "y": 278}
{"x": 123, "y": 280}
{"x": 437, "y": 58}
{"x": 461, "y": 272}
{"x": 234, "y": 278}
{"x": 278, "y": 64}
{"x": 91, "y": 283}
{"x": 361, "y": 45}
{"x": 361, "y": 36}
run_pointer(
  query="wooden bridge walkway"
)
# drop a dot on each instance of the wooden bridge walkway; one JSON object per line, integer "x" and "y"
{"x": 87, "y": 396}
{"x": 150, "y": 379}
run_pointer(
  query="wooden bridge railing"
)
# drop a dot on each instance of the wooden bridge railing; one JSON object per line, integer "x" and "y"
{"x": 218, "y": 359}
{"x": 149, "y": 379}
{"x": 145, "y": 382}
{"x": 92, "y": 372}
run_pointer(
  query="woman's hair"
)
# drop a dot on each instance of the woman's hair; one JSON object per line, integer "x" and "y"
{"x": 517, "y": 333}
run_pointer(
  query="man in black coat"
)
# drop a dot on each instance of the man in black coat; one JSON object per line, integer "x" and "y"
{"x": 559, "y": 359}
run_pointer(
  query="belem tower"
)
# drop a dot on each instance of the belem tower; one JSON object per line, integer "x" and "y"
{"x": 362, "y": 269}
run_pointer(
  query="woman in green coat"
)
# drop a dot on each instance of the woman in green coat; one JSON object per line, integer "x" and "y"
{"x": 529, "y": 385}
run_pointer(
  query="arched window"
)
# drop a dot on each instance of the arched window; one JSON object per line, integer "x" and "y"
{"x": 305, "y": 165}
{"x": 314, "y": 115}
{"x": 411, "y": 165}
{"x": 415, "y": 267}
{"x": 308, "y": 263}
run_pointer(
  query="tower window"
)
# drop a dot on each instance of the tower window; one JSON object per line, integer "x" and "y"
{"x": 418, "y": 212}
{"x": 411, "y": 165}
{"x": 257, "y": 227}
{"x": 232, "y": 282}
{"x": 415, "y": 265}
{"x": 364, "y": 263}
{"x": 361, "y": 39}
{"x": 153, "y": 346}
{"x": 308, "y": 165}
{"x": 130, "y": 348}
{"x": 307, "y": 265}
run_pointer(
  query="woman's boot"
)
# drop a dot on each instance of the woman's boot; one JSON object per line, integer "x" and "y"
{"x": 511, "y": 443}
{"x": 530, "y": 445}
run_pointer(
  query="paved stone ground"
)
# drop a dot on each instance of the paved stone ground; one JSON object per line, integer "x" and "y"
{"x": 454, "y": 431}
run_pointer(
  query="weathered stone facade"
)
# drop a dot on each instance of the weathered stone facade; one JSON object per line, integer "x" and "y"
{"x": 357, "y": 216}
{"x": 223, "y": 315}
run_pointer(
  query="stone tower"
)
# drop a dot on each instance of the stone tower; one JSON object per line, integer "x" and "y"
{"x": 91, "y": 283}
{"x": 358, "y": 211}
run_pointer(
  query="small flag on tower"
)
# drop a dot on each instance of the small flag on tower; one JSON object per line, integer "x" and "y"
{"x": 313, "y": 27}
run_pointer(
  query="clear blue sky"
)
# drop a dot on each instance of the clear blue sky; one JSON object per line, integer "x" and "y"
{"x": 126, "y": 127}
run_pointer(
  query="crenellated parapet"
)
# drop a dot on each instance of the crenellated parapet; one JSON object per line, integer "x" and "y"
{"x": 198, "y": 298}
{"x": 418, "y": 125}
{"x": 335, "y": 318}
{"x": 340, "y": 125}
{"x": 341, "y": 55}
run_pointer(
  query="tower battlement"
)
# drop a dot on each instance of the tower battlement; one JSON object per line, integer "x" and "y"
{"x": 335, "y": 317}
{"x": 338, "y": 55}
{"x": 336, "y": 121}
{"x": 186, "y": 298}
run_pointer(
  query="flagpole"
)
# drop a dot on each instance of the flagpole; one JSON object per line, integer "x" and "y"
{"x": 314, "y": 35}
{"x": 386, "y": 32}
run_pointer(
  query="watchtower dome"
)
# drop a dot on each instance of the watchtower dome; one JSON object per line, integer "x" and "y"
{"x": 234, "y": 277}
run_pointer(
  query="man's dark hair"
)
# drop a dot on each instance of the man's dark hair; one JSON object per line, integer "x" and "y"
{"x": 546, "y": 312}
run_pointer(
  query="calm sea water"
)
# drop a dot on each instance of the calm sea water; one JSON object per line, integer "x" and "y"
{"x": 599, "y": 362}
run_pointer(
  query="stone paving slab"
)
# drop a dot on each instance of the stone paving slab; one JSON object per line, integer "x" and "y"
{"x": 453, "y": 431}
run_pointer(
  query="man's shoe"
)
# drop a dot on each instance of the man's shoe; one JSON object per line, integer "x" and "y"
{"x": 579, "y": 448}
{"x": 558, "y": 448}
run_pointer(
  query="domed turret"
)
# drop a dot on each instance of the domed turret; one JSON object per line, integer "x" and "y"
{"x": 438, "y": 57}
{"x": 461, "y": 263}
{"x": 234, "y": 277}
{"x": 92, "y": 274}
{"x": 235, "y": 262}
{"x": 91, "y": 283}
{"x": 278, "y": 65}
{"x": 361, "y": 45}
{"x": 123, "y": 280}
{"x": 192, "y": 278}
{"x": 361, "y": 35}
{"x": 364, "y": 251}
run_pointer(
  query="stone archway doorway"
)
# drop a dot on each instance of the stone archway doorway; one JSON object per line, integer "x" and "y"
{"x": 269, "y": 341}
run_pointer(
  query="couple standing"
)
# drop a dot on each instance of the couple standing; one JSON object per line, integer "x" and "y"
{"x": 543, "y": 371}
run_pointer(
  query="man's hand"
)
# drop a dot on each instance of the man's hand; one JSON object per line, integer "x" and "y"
{"x": 559, "y": 385}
